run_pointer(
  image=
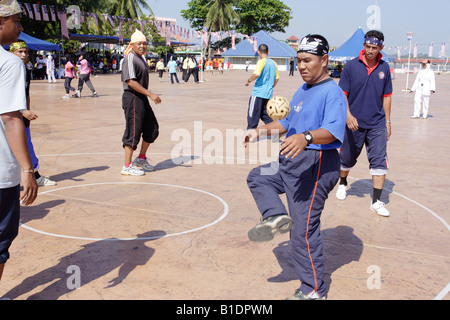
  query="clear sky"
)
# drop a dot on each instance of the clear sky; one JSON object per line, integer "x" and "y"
{"x": 338, "y": 20}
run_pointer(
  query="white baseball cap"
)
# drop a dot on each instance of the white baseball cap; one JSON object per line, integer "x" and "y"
{"x": 9, "y": 8}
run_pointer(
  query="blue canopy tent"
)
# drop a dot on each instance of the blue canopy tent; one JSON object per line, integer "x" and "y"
{"x": 351, "y": 48}
{"x": 38, "y": 44}
{"x": 279, "y": 51}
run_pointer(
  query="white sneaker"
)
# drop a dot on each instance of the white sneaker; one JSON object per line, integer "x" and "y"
{"x": 132, "y": 170}
{"x": 144, "y": 165}
{"x": 379, "y": 208}
{"x": 341, "y": 193}
{"x": 66, "y": 96}
{"x": 414, "y": 117}
{"x": 45, "y": 181}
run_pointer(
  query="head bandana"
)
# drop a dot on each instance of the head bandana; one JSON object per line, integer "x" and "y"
{"x": 313, "y": 45}
{"x": 137, "y": 36}
{"x": 374, "y": 40}
{"x": 17, "y": 45}
{"x": 9, "y": 8}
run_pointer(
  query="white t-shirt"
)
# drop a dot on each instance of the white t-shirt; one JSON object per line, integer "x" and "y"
{"x": 12, "y": 97}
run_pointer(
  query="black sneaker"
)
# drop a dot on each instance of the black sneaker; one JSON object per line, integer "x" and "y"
{"x": 76, "y": 95}
{"x": 95, "y": 95}
{"x": 299, "y": 295}
{"x": 268, "y": 228}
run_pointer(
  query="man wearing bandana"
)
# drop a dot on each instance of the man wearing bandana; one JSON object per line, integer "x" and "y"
{"x": 307, "y": 168}
{"x": 16, "y": 168}
{"x": 367, "y": 83}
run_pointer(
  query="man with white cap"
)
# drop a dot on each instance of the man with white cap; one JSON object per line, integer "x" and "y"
{"x": 139, "y": 116}
{"x": 15, "y": 162}
{"x": 424, "y": 86}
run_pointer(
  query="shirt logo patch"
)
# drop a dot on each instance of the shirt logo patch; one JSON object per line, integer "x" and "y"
{"x": 381, "y": 75}
{"x": 299, "y": 107}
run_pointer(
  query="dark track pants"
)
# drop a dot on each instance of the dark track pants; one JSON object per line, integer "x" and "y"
{"x": 9, "y": 219}
{"x": 85, "y": 78}
{"x": 257, "y": 110}
{"x": 306, "y": 180}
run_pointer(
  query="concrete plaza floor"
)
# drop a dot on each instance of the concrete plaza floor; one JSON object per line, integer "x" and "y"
{"x": 181, "y": 232}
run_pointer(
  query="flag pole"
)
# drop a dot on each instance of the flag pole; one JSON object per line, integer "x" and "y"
{"x": 409, "y": 35}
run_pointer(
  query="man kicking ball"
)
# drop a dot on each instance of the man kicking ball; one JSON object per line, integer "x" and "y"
{"x": 139, "y": 116}
{"x": 308, "y": 167}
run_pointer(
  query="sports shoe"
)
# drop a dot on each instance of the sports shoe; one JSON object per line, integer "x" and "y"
{"x": 268, "y": 228}
{"x": 43, "y": 181}
{"x": 143, "y": 164}
{"x": 66, "y": 96}
{"x": 341, "y": 193}
{"x": 299, "y": 295}
{"x": 415, "y": 117}
{"x": 76, "y": 95}
{"x": 379, "y": 208}
{"x": 95, "y": 95}
{"x": 132, "y": 170}
{"x": 424, "y": 117}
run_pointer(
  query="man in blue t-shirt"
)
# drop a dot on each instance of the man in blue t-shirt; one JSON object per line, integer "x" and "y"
{"x": 172, "y": 65}
{"x": 367, "y": 83}
{"x": 266, "y": 76}
{"x": 307, "y": 169}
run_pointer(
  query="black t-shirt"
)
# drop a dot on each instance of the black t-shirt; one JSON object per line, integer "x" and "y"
{"x": 134, "y": 68}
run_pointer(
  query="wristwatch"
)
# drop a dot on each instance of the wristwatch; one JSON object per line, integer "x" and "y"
{"x": 308, "y": 137}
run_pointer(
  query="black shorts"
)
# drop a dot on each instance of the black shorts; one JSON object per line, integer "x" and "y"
{"x": 257, "y": 110}
{"x": 9, "y": 219}
{"x": 140, "y": 120}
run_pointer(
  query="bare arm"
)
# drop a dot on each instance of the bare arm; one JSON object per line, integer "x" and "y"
{"x": 387, "y": 102}
{"x": 296, "y": 143}
{"x": 273, "y": 128}
{"x": 15, "y": 134}
{"x": 352, "y": 122}
{"x": 28, "y": 114}
{"x": 133, "y": 84}
{"x": 251, "y": 79}
{"x": 276, "y": 82}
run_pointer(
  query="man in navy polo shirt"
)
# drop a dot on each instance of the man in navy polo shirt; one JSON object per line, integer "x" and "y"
{"x": 367, "y": 83}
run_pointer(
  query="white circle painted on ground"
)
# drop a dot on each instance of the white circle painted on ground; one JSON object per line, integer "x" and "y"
{"x": 224, "y": 214}
{"x": 440, "y": 296}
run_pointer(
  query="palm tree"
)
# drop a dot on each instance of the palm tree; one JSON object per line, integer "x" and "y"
{"x": 220, "y": 17}
{"x": 132, "y": 8}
